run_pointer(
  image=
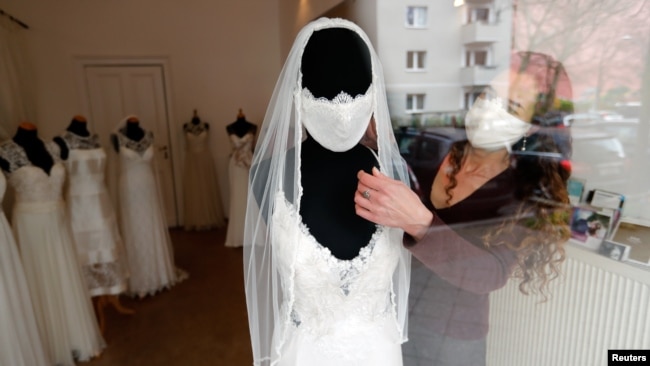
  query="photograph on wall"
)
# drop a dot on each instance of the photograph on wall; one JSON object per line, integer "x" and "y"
{"x": 589, "y": 226}
{"x": 635, "y": 233}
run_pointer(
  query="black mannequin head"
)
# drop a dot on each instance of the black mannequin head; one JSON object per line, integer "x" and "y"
{"x": 335, "y": 60}
{"x": 78, "y": 126}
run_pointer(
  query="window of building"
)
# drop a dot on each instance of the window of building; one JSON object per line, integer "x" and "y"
{"x": 477, "y": 57}
{"x": 414, "y": 102}
{"x": 416, "y": 60}
{"x": 476, "y": 14}
{"x": 416, "y": 16}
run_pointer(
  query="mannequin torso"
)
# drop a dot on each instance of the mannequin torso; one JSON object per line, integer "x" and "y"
{"x": 241, "y": 127}
{"x": 326, "y": 208}
{"x": 37, "y": 153}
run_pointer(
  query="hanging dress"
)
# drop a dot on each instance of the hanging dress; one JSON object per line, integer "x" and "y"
{"x": 62, "y": 305}
{"x": 94, "y": 224}
{"x": 20, "y": 341}
{"x": 238, "y": 169}
{"x": 144, "y": 229}
{"x": 203, "y": 209}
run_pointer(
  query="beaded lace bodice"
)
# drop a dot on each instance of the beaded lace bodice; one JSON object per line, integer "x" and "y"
{"x": 242, "y": 149}
{"x": 75, "y": 141}
{"x": 195, "y": 128}
{"x": 330, "y": 294}
{"x": 141, "y": 146}
{"x": 31, "y": 183}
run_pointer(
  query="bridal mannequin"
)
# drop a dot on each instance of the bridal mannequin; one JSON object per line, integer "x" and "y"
{"x": 27, "y": 137}
{"x": 132, "y": 130}
{"x": 327, "y": 175}
{"x": 322, "y": 286}
{"x": 202, "y": 207}
{"x": 93, "y": 220}
{"x": 42, "y": 230}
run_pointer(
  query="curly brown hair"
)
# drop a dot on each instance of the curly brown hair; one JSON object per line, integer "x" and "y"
{"x": 541, "y": 189}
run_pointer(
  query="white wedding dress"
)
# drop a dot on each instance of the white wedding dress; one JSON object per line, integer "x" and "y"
{"x": 62, "y": 305}
{"x": 93, "y": 220}
{"x": 146, "y": 238}
{"x": 203, "y": 208}
{"x": 20, "y": 341}
{"x": 341, "y": 312}
{"x": 238, "y": 169}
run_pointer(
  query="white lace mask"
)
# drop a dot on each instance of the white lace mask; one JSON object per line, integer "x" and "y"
{"x": 489, "y": 126}
{"x": 339, "y": 124}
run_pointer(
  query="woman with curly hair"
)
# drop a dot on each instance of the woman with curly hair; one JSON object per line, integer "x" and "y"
{"x": 496, "y": 211}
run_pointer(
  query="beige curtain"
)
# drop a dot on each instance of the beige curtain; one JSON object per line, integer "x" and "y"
{"x": 16, "y": 87}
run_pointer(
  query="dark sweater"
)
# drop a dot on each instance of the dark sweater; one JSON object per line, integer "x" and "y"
{"x": 464, "y": 270}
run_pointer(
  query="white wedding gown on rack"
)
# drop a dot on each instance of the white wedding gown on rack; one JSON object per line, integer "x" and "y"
{"x": 142, "y": 216}
{"x": 62, "y": 305}
{"x": 343, "y": 312}
{"x": 20, "y": 341}
{"x": 238, "y": 169}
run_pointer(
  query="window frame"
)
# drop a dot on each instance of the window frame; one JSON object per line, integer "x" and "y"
{"x": 414, "y": 99}
{"x": 414, "y": 57}
{"x": 414, "y": 22}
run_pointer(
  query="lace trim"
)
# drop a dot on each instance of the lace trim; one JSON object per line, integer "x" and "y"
{"x": 17, "y": 158}
{"x": 138, "y": 146}
{"x": 195, "y": 128}
{"x": 75, "y": 141}
{"x": 340, "y": 98}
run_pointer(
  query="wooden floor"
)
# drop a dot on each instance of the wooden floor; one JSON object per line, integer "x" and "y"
{"x": 201, "y": 321}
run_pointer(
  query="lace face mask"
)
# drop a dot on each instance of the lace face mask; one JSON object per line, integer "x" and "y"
{"x": 336, "y": 124}
{"x": 489, "y": 126}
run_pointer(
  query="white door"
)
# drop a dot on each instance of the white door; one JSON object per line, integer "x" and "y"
{"x": 114, "y": 92}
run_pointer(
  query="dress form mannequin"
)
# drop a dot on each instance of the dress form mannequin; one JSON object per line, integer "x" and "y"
{"x": 242, "y": 139}
{"x": 196, "y": 125}
{"x": 79, "y": 126}
{"x": 329, "y": 216}
{"x": 241, "y": 126}
{"x": 42, "y": 230}
{"x": 132, "y": 130}
{"x": 106, "y": 276}
{"x": 27, "y": 137}
{"x": 202, "y": 205}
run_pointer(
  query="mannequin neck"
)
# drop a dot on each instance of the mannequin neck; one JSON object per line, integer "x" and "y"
{"x": 26, "y": 137}
{"x": 133, "y": 131}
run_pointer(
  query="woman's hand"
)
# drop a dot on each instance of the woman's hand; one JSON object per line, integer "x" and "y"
{"x": 389, "y": 202}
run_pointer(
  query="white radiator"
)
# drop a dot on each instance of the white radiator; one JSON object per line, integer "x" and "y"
{"x": 599, "y": 304}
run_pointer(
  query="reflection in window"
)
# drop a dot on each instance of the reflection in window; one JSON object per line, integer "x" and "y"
{"x": 414, "y": 102}
{"x": 476, "y": 15}
{"x": 472, "y": 95}
{"x": 415, "y": 60}
{"x": 416, "y": 16}
{"x": 477, "y": 57}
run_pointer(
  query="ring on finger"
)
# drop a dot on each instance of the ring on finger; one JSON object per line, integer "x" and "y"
{"x": 366, "y": 194}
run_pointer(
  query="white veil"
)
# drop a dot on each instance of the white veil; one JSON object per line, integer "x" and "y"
{"x": 276, "y": 167}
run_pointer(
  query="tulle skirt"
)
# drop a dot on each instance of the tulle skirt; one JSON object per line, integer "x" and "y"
{"x": 64, "y": 312}
{"x": 20, "y": 341}
{"x": 238, "y": 178}
{"x": 203, "y": 209}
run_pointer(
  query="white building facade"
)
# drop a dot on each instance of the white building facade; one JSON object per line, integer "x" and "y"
{"x": 437, "y": 55}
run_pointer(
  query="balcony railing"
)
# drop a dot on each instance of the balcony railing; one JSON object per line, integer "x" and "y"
{"x": 478, "y": 75}
{"x": 481, "y": 32}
